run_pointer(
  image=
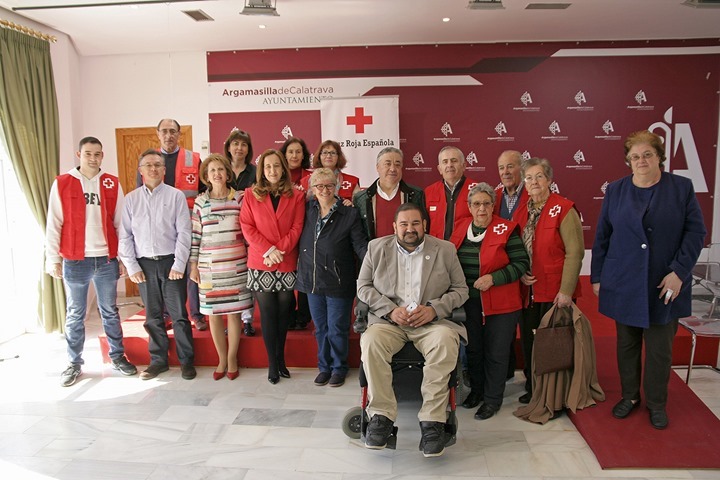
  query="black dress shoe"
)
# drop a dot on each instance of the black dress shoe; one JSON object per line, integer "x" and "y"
{"x": 525, "y": 398}
{"x": 188, "y": 372}
{"x": 249, "y": 330}
{"x": 486, "y": 411}
{"x": 273, "y": 379}
{"x": 623, "y": 408}
{"x": 284, "y": 372}
{"x": 658, "y": 419}
{"x": 472, "y": 400}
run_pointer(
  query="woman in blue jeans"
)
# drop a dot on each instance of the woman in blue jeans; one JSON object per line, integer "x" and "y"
{"x": 327, "y": 272}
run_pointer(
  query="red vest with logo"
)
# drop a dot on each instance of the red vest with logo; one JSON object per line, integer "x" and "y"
{"x": 72, "y": 198}
{"x": 498, "y": 298}
{"x": 548, "y": 255}
{"x": 347, "y": 186}
{"x": 187, "y": 174}
{"x": 436, "y": 205}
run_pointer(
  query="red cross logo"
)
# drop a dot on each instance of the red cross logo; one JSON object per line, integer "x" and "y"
{"x": 190, "y": 178}
{"x": 108, "y": 183}
{"x": 345, "y": 185}
{"x": 554, "y": 211}
{"x": 360, "y": 120}
{"x": 500, "y": 228}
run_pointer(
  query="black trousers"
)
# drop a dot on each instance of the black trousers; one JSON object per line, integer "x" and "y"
{"x": 658, "y": 361}
{"x": 529, "y": 321}
{"x": 274, "y": 308}
{"x": 157, "y": 290}
{"x": 488, "y": 350}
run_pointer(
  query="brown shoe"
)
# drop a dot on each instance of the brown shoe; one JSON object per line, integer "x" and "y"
{"x": 153, "y": 371}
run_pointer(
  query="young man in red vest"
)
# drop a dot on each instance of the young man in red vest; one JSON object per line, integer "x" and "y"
{"x": 84, "y": 214}
{"x": 446, "y": 200}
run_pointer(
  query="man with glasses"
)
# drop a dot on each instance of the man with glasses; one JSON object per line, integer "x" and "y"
{"x": 441, "y": 198}
{"x": 377, "y": 204}
{"x": 155, "y": 247}
{"x": 182, "y": 171}
{"x": 84, "y": 212}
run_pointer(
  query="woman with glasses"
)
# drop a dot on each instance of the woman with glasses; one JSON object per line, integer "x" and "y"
{"x": 239, "y": 150}
{"x": 330, "y": 155}
{"x": 218, "y": 261}
{"x": 493, "y": 259}
{"x": 326, "y": 272}
{"x": 271, "y": 219}
{"x": 552, "y": 233}
{"x": 649, "y": 236}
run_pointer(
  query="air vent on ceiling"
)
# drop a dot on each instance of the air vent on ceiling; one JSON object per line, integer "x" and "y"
{"x": 198, "y": 15}
{"x": 547, "y": 6}
{"x": 702, "y": 3}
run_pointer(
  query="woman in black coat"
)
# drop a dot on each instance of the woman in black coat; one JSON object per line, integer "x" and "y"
{"x": 327, "y": 272}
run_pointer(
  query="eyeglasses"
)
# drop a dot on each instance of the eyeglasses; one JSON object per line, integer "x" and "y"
{"x": 152, "y": 165}
{"x": 537, "y": 178}
{"x": 328, "y": 153}
{"x": 645, "y": 156}
{"x": 328, "y": 187}
{"x": 168, "y": 131}
{"x": 481, "y": 204}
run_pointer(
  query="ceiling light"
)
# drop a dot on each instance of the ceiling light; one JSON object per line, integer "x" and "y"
{"x": 702, "y": 3}
{"x": 198, "y": 15}
{"x": 260, "y": 7}
{"x": 446, "y": 19}
{"x": 485, "y": 4}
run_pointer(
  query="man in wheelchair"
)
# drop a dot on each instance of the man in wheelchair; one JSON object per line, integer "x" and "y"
{"x": 411, "y": 283}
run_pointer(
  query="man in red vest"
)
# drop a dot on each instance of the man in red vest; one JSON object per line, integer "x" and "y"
{"x": 85, "y": 208}
{"x": 182, "y": 171}
{"x": 446, "y": 200}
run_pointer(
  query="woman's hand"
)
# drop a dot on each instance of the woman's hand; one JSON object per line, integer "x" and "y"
{"x": 562, "y": 300}
{"x": 194, "y": 273}
{"x": 671, "y": 285}
{"x": 347, "y": 203}
{"x": 596, "y": 289}
{"x": 276, "y": 256}
{"x": 528, "y": 279}
{"x": 484, "y": 283}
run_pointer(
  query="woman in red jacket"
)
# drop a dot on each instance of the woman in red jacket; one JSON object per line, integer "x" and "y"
{"x": 272, "y": 218}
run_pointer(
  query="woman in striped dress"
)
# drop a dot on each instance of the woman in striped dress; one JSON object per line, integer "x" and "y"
{"x": 218, "y": 261}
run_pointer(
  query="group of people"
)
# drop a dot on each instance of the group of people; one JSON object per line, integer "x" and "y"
{"x": 282, "y": 235}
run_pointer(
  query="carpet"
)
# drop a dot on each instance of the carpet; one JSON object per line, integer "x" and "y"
{"x": 692, "y": 439}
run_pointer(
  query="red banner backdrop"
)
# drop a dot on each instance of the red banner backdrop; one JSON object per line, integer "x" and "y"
{"x": 570, "y": 103}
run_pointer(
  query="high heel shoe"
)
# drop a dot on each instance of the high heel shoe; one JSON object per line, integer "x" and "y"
{"x": 284, "y": 372}
{"x": 233, "y": 375}
{"x": 219, "y": 375}
{"x": 273, "y": 376}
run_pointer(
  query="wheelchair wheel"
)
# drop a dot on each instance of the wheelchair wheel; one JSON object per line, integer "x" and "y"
{"x": 351, "y": 423}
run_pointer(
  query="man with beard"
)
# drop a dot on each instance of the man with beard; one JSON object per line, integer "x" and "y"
{"x": 411, "y": 283}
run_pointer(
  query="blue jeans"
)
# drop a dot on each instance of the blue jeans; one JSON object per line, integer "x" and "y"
{"x": 331, "y": 316}
{"x": 77, "y": 275}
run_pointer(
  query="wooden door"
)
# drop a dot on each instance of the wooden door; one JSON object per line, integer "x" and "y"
{"x": 131, "y": 142}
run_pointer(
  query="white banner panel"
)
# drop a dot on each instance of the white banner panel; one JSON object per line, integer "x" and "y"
{"x": 362, "y": 126}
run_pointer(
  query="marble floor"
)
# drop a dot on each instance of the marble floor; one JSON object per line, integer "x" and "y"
{"x": 112, "y": 427}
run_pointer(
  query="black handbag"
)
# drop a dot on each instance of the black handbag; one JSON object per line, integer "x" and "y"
{"x": 554, "y": 345}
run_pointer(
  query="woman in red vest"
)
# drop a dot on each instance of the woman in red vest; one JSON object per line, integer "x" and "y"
{"x": 330, "y": 155}
{"x": 553, "y": 237}
{"x": 271, "y": 218}
{"x": 493, "y": 259}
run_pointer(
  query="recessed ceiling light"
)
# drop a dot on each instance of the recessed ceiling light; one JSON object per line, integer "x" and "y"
{"x": 261, "y": 26}
{"x": 446, "y": 19}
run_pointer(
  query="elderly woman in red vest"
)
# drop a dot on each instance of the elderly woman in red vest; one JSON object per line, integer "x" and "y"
{"x": 553, "y": 237}
{"x": 493, "y": 259}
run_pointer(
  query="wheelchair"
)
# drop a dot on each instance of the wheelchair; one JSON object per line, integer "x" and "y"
{"x": 355, "y": 421}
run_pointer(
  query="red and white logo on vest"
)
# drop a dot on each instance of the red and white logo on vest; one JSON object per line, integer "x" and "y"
{"x": 190, "y": 178}
{"x": 345, "y": 185}
{"x": 555, "y": 211}
{"x": 500, "y": 228}
{"x": 108, "y": 183}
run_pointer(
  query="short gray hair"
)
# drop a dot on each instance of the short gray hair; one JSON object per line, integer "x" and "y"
{"x": 388, "y": 150}
{"x": 321, "y": 172}
{"x": 535, "y": 161}
{"x": 482, "y": 187}
{"x": 451, "y": 147}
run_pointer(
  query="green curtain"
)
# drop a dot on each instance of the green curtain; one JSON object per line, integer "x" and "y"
{"x": 29, "y": 119}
